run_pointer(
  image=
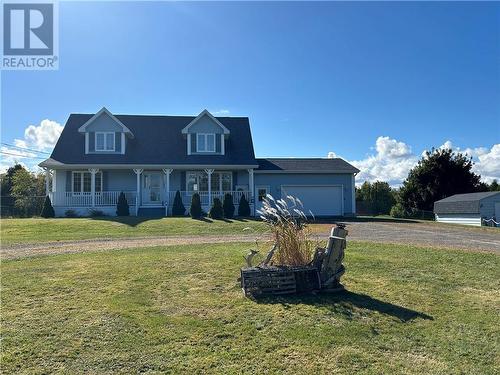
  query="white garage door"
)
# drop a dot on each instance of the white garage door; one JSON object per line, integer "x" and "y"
{"x": 324, "y": 200}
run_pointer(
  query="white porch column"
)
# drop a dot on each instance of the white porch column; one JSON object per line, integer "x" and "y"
{"x": 93, "y": 171}
{"x": 209, "y": 173}
{"x": 353, "y": 192}
{"x": 137, "y": 197}
{"x": 54, "y": 180}
{"x": 167, "y": 172}
{"x": 251, "y": 190}
{"x": 47, "y": 182}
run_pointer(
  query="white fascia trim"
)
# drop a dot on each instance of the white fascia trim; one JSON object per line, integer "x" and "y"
{"x": 203, "y": 113}
{"x": 82, "y": 128}
{"x": 123, "y": 143}
{"x": 302, "y": 172}
{"x": 184, "y": 167}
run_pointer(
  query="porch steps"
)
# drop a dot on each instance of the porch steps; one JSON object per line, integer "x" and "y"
{"x": 151, "y": 211}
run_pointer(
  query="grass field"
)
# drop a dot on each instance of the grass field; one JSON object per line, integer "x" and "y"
{"x": 35, "y": 230}
{"x": 180, "y": 309}
{"x": 42, "y": 230}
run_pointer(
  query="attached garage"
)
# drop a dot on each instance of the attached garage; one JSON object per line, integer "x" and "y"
{"x": 321, "y": 200}
{"x": 468, "y": 209}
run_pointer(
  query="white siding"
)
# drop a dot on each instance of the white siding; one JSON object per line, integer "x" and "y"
{"x": 464, "y": 219}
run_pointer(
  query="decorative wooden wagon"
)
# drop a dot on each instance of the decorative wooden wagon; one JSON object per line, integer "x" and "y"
{"x": 322, "y": 274}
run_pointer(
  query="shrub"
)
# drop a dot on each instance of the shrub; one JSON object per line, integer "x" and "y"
{"x": 195, "y": 210}
{"x": 243, "y": 207}
{"x": 228, "y": 206}
{"x": 178, "y": 208}
{"x": 216, "y": 211}
{"x": 122, "y": 208}
{"x": 398, "y": 211}
{"x": 47, "y": 209}
{"x": 70, "y": 213}
{"x": 288, "y": 225}
{"x": 96, "y": 213}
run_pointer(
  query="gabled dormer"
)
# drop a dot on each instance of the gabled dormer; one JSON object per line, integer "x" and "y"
{"x": 205, "y": 135}
{"x": 105, "y": 134}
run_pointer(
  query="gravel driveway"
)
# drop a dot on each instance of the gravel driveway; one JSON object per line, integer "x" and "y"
{"x": 424, "y": 234}
{"x": 427, "y": 234}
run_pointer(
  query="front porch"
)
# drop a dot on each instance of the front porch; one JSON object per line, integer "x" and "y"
{"x": 84, "y": 190}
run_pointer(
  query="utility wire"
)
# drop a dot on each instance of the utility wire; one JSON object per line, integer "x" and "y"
{"x": 21, "y": 156}
{"x": 25, "y": 149}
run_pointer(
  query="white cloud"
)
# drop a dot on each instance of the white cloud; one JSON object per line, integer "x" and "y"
{"x": 394, "y": 159}
{"x": 391, "y": 163}
{"x": 42, "y": 137}
{"x": 486, "y": 162}
{"x": 222, "y": 112}
{"x": 332, "y": 155}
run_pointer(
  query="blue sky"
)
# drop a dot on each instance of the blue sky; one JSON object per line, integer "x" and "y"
{"x": 375, "y": 83}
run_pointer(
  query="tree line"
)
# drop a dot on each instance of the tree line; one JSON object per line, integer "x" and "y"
{"x": 22, "y": 192}
{"x": 440, "y": 173}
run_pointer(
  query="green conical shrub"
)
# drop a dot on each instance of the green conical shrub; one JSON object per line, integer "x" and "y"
{"x": 195, "y": 210}
{"x": 47, "y": 209}
{"x": 122, "y": 208}
{"x": 228, "y": 206}
{"x": 216, "y": 211}
{"x": 243, "y": 207}
{"x": 178, "y": 208}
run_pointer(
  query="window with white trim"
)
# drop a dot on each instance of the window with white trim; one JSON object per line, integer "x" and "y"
{"x": 82, "y": 182}
{"x": 205, "y": 142}
{"x": 105, "y": 141}
{"x": 198, "y": 181}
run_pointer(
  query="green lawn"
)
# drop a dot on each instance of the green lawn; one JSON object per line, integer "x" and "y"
{"x": 35, "y": 230}
{"x": 180, "y": 309}
{"x": 42, "y": 230}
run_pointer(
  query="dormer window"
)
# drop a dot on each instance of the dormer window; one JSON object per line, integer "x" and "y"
{"x": 205, "y": 142}
{"x": 105, "y": 141}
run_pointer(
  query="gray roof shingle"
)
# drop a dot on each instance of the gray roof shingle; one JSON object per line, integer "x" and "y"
{"x": 336, "y": 165}
{"x": 462, "y": 203}
{"x": 157, "y": 140}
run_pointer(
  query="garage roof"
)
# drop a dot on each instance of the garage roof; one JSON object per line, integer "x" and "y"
{"x": 320, "y": 165}
{"x": 462, "y": 203}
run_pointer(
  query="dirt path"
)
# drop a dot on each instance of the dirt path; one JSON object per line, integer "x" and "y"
{"x": 78, "y": 246}
{"x": 398, "y": 233}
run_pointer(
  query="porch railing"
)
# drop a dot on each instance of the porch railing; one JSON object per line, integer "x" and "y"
{"x": 109, "y": 198}
{"x": 187, "y": 195}
{"x": 102, "y": 198}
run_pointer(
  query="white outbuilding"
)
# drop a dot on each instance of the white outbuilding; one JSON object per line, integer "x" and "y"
{"x": 468, "y": 209}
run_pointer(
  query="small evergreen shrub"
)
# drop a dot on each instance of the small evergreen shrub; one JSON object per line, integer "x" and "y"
{"x": 70, "y": 213}
{"x": 96, "y": 213}
{"x": 398, "y": 211}
{"x": 243, "y": 207}
{"x": 122, "y": 208}
{"x": 216, "y": 211}
{"x": 47, "y": 209}
{"x": 178, "y": 208}
{"x": 228, "y": 206}
{"x": 195, "y": 210}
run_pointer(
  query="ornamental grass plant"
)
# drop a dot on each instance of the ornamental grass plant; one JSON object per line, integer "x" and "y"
{"x": 289, "y": 230}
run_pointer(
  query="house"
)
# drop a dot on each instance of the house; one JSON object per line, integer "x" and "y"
{"x": 468, "y": 209}
{"x": 150, "y": 158}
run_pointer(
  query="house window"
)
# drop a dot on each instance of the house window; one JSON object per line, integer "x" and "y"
{"x": 262, "y": 193}
{"x": 205, "y": 142}
{"x": 198, "y": 181}
{"x": 82, "y": 182}
{"x": 105, "y": 141}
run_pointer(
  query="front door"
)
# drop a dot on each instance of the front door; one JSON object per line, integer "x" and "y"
{"x": 151, "y": 188}
{"x": 260, "y": 195}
